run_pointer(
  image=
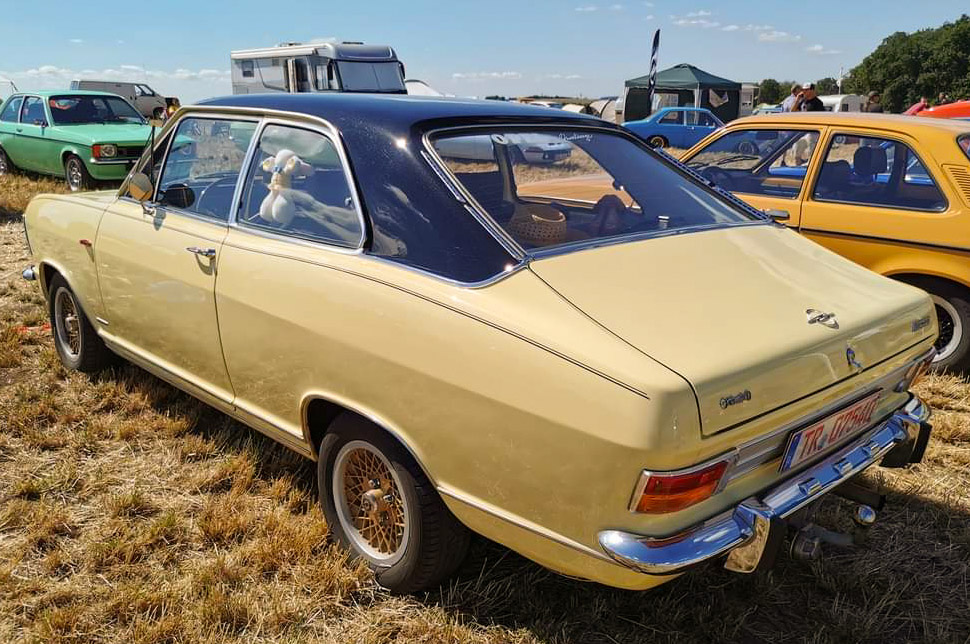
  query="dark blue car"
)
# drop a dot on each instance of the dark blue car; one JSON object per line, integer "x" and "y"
{"x": 675, "y": 127}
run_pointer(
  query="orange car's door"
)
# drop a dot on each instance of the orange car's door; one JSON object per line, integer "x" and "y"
{"x": 763, "y": 165}
{"x": 871, "y": 189}
{"x": 158, "y": 265}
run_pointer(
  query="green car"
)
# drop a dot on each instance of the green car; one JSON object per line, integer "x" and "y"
{"x": 85, "y": 137}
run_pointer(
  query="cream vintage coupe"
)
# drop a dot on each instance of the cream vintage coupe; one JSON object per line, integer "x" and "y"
{"x": 604, "y": 363}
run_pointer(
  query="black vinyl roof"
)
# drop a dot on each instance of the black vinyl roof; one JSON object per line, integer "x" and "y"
{"x": 413, "y": 218}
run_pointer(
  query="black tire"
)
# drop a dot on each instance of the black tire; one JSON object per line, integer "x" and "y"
{"x": 6, "y": 165}
{"x": 76, "y": 174}
{"x": 78, "y": 345}
{"x": 953, "y": 312}
{"x": 657, "y": 141}
{"x": 434, "y": 543}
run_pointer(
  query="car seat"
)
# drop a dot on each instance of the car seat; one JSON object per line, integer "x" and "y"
{"x": 833, "y": 180}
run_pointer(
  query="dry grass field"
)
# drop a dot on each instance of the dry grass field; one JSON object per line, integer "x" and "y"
{"x": 131, "y": 513}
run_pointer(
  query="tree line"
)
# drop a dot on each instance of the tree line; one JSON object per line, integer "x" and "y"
{"x": 903, "y": 68}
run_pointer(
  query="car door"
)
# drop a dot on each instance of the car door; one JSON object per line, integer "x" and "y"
{"x": 158, "y": 262}
{"x": 765, "y": 165}
{"x": 28, "y": 148}
{"x": 9, "y": 122}
{"x": 872, "y": 188}
{"x": 671, "y": 127}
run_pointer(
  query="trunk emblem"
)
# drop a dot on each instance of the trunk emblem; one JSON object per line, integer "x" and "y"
{"x": 825, "y": 319}
{"x": 736, "y": 399}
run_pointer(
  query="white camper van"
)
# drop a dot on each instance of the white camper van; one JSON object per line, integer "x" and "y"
{"x": 296, "y": 67}
{"x": 842, "y": 102}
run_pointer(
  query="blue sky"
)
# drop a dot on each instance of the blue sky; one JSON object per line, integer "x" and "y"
{"x": 519, "y": 47}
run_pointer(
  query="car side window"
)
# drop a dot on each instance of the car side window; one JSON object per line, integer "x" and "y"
{"x": 203, "y": 164}
{"x": 672, "y": 118}
{"x": 874, "y": 171}
{"x": 33, "y": 112}
{"x": 298, "y": 186}
{"x": 11, "y": 109}
{"x": 758, "y": 162}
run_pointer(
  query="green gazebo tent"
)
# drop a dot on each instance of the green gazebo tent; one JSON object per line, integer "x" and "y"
{"x": 691, "y": 86}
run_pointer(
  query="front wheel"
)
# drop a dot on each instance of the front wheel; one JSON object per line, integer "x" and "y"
{"x": 380, "y": 506}
{"x": 953, "y": 344}
{"x": 77, "y": 174}
{"x": 657, "y": 141}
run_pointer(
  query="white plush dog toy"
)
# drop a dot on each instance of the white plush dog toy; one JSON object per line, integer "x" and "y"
{"x": 277, "y": 206}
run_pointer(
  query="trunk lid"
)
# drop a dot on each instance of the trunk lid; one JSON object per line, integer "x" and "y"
{"x": 726, "y": 309}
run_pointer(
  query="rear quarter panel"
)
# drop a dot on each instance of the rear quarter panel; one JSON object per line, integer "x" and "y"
{"x": 55, "y": 226}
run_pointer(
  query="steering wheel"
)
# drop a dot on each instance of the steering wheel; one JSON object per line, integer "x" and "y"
{"x": 717, "y": 176}
{"x": 609, "y": 209}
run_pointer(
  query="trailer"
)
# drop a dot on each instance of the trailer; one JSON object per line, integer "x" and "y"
{"x": 317, "y": 67}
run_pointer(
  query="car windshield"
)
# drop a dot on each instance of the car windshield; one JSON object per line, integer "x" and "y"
{"x": 549, "y": 188}
{"x": 370, "y": 77}
{"x": 82, "y": 109}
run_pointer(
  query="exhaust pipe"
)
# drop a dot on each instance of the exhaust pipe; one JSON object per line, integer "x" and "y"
{"x": 807, "y": 542}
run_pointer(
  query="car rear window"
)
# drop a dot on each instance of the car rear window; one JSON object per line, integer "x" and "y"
{"x": 551, "y": 187}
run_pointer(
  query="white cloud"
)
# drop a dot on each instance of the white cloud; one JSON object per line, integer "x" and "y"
{"x": 563, "y": 76}
{"x": 649, "y": 16}
{"x": 487, "y": 75}
{"x": 76, "y": 41}
{"x": 616, "y": 7}
{"x": 134, "y": 73}
{"x": 586, "y": 9}
{"x": 698, "y": 14}
{"x": 758, "y": 28}
{"x": 730, "y": 28}
{"x": 703, "y": 23}
{"x": 822, "y": 51}
{"x": 648, "y": 4}
{"x": 778, "y": 36}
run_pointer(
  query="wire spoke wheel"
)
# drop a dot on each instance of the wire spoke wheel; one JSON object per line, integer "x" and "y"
{"x": 68, "y": 323}
{"x": 951, "y": 328}
{"x": 371, "y": 507}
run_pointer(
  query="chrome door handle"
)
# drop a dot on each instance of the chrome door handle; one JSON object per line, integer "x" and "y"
{"x": 204, "y": 252}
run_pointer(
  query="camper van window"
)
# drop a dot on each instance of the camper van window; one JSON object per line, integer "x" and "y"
{"x": 144, "y": 90}
{"x": 370, "y": 77}
{"x": 247, "y": 68}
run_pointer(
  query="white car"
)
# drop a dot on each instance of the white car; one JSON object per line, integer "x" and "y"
{"x": 526, "y": 148}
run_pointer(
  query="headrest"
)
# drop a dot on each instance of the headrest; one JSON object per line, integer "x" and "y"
{"x": 868, "y": 161}
{"x": 835, "y": 174}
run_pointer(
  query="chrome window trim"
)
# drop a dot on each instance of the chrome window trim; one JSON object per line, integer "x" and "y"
{"x": 331, "y": 134}
{"x": 888, "y": 136}
{"x": 520, "y": 253}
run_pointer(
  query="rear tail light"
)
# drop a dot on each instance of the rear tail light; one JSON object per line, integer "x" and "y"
{"x": 661, "y": 492}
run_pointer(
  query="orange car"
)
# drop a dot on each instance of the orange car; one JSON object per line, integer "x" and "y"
{"x": 958, "y": 110}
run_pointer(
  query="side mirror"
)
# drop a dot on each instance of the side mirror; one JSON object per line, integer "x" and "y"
{"x": 140, "y": 187}
{"x": 778, "y": 215}
{"x": 40, "y": 122}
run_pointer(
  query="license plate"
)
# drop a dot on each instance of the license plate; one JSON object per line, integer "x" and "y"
{"x": 813, "y": 440}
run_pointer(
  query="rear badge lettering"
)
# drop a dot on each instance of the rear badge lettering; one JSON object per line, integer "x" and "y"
{"x": 736, "y": 399}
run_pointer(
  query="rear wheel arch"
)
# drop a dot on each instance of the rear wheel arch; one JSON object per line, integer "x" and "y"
{"x": 320, "y": 412}
{"x": 952, "y": 302}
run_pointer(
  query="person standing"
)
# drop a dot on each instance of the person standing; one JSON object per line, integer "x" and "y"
{"x": 789, "y": 102}
{"x": 872, "y": 103}
{"x": 807, "y": 100}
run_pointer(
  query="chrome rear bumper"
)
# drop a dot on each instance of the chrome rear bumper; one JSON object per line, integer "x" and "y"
{"x": 744, "y": 530}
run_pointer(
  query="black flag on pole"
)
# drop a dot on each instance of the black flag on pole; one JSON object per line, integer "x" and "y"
{"x": 652, "y": 83}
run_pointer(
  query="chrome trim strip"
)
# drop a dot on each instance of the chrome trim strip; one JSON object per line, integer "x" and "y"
{"x": 519, "y": 522}
{"x": 131, "y": 160}
{"x": 737, "y": 527}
